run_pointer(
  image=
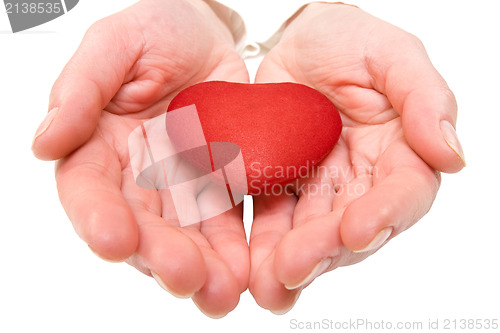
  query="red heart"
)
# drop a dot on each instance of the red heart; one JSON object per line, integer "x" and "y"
{"x": 283, "y": 129}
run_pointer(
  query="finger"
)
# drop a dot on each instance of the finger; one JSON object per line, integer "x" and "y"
{"x": 88, "y": 182}
{"x": 220, "y": 294}
{"x": 318, "y": 191}
{"x": 316, "y": 196}
{"x": 173, "y": 258}
{"x": 183, "y": 263}
{"x": 314, "y": 245}
{"x": 165, "y": 252}
{"x": 421, "y": 96}
{"x": 272, "y": 220}
{"x": 86, "y": 85}
{"x": 404, "y": 188}
{"x": 182, "y": 259}
{"x": 269, "y": 292}
{"x": 226, "y": 235}
{"x": 226, "y": 262}
{"x": 306, "y": 252}
{"x": 223, "y": 232}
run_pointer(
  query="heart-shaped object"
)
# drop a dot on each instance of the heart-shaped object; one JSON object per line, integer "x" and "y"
{"x": 283, "y": 129}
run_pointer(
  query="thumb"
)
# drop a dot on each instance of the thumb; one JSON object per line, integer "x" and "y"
{"x": 86, "y": 85}
{"x": 423, "y": 99}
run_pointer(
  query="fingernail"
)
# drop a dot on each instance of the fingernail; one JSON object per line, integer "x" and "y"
{"x": 100, "y": 257}
{"x": 451, "y": 138}
{"x": 319, "y": 269}
{"x": 164, "y": 286}
{"x": 44, "y": 126}
{"x": 207, "y": 314}
{"x": 282, "y": 312}
{"x": 377, "y": 242}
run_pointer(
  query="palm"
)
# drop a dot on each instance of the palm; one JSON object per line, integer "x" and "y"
{"x": 116, "y": 217}
{"x": 217, "y": 245}
{"x": 372, "y": 179}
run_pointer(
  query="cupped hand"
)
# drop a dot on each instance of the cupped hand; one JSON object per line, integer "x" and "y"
{"x": 126, "y": 70}
{"x": 398, "y": 132}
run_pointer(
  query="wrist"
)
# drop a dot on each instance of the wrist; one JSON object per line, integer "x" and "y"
{"x": 226, "y": 23}
{"x": 319, "y": 6}
{"x": 305, "y": 12}
{"x": 231, "y": 20}
{"x": 223, "y": 21}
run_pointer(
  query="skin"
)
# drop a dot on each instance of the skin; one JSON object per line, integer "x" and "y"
{"x": 101, "y": 100}
{"x": 391, "y": 100}
{"x": 383, "y": 173}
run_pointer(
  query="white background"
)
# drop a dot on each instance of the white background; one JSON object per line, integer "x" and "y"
{"x": 446, "y": 266}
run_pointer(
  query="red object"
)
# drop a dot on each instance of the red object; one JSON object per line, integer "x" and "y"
{"x": 283, "y": 129}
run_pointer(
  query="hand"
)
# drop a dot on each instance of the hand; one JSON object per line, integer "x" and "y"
{"x": 382, "y": 177}
{"x": 126, "y": 70}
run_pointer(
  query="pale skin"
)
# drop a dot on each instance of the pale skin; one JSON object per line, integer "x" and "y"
{"x": 398, "y": 116}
